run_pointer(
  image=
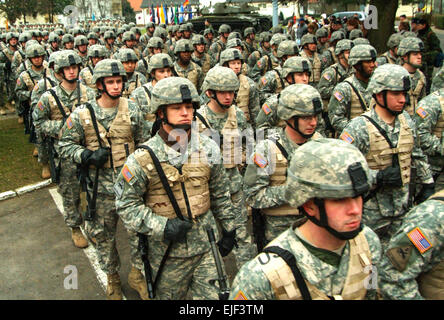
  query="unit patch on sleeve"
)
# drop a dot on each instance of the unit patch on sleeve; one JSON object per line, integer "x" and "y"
{"x": 127, "y": 173}
{"x": 266, "y": 109}
{"x": 419, "y": 240}
{"x": 421, "y": 112}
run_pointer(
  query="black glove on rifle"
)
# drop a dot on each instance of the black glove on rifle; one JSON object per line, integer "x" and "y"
{"x": 96, "y": 158}
{"x": 227, "y": 242}
{"x": 390, "y": 176}
{"x": 176, "y": 229}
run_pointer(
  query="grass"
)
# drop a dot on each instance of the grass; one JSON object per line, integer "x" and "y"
{"x": 18, "y": 167}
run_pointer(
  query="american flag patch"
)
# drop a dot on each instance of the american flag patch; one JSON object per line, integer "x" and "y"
{"x": 347, "y": 137}
{"x": 240, "y": 296}
{"x": 40, "y": 105}
{"x": 327, "y": 77}
{"x": 419, "y": 240}
{"x": 338, "y": 96}
{"x": 127, "y": 173}
{"x": 421, "y": 112}
{"x": 69, "y": 123}
{"x": 264, "y": 80}
{"x": 259, "y": 64}
{"x": 260, "y": 161}
{"x": 266, "y": 109}
{"x": 18, "y": 82}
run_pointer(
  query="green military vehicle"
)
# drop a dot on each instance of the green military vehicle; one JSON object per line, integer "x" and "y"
{"x": 238, "y": 17}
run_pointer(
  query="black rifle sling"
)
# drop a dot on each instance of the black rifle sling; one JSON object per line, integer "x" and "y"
{"x": 147, "y": 91}
{"x": 59, "y": 104}
{"x": 289, "y": 258}
{"x": 382, "y": 131}
{"x": 282, "y": 149}
{"x": 280, "y": 79}
{"x": 363, "y": 104}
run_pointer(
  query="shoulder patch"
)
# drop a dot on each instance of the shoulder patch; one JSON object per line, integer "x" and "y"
{"x": 240, "y": 296}
{"x": 264, "y": 80}
{"x": 338, "y": 96}
{"x": 399, "y": 257}
{"x": 18, "y": 81}
{"x": 421, "y": 112}
{"x": 260, "y": 161}
{"x": 259, "y": 64}
{"x": 69, "y": 122}
{"x": 127, "y": 174}
{"x": 40, "y": 106}
{"x": 419, "y": 240}
{"x": 266, "y": 109}
{"x": 347, "y": 137}
{"x": 327, "y": 76}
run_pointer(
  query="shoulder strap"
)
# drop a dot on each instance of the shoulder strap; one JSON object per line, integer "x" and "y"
{"x": 289, "y": 258}
{"x": 282, "y": 149}
{"x": 363, "y": 104}
{"x": 280, "y": 78}
{"x": 59, "y": 104}
{"x": 164, "y": 181}
{"x": 147, "y": 91}
{"x": 204, "y": 121}
{"x": 94, "y": 122}
{"x": 382, "y": 131}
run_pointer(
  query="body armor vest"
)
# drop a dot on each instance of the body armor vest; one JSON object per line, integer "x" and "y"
{"x": 131, "y": 87}
{"x": 315, "y": 75}
{"x": 333, "y": 55}
{"x": 55, "y": 111}
{"x": 387, "y": 57}
{"x": 148, "y": 116}
{"x": 243, "y": 96}
{"x": 414, "y": 94}
{"x": 116, "y": 137}
{"x": 439, "y": 126}
{"x": 380, "y": 155}
{"x": 190, "y": 75}
{"x": 356, "y": 107}
{"x": 284, "y": 284}
{"x": 87, "y": 76}
{"x": 190, "y": 181}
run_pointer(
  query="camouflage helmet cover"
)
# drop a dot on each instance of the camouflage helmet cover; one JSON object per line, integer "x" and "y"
{"x": 410, "y": 44}
{"x": 224, "y": 28}
{"x": 220, "y": 78}
{"x": 34, "y": 50}
{"x": 198, "y": 39}
{"x": 299, "y": 100}
{"x": 394, "y": 40}
{"x": 389, "y": 77}
{"x": 355, "y": 33}
{"x": 321, "y": 33}
{"x": 277, "y": 38}
{"x": 80, "y": 40}
{"x": 296, "y": 64}
{"x": 308, "y": 38}
{"x": 183, "y": 45}
{"x": 287, "y": 48}
{"x": 128, "y": 36}
{"x": 158, "y": 61}
{"x": 67, "y": 38}
{"x": 108, "y": 68}
{"x": 155, "y": 42}
{"x": 233, "y": 43}
{"x": 358, "y": 41}
{"x": 97, "y": 51}
{"x": 361, "y": 52}
{"x": 337, "y": 35}
{"x": 66, "y": 59}
{"x": 126, "y": 54}
{"x": 230, "y": 54}
{"x": 343, "y": 45}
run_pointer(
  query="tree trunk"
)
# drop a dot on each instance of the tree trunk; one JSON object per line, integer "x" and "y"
{"x": 386, "y": 20}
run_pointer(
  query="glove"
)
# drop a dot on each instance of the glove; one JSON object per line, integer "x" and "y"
{"x": 96, "y": 158}
{"x": 227, "y": 242}
{"x": 390, "y": 176}
{"x": 426, "y": 191}
{"x": 176, "y": 229}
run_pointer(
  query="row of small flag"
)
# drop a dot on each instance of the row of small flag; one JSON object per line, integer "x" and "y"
{"x": 176, "y": 16}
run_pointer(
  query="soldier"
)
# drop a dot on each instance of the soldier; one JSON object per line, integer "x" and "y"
{"x": 350, "y": 98}
{"x": 309, "y": 51}
{"x": 247, "y": 97}
{"x": 388, "y": 140}
{"x": 81, "y": 47}
{"x": 109, "y": 41}
{"x": 96, "y": 53}
{"x": 150, "y": 27}
{"x": 329, "y": 54}
{"x": 220, "y": 117}
{"x": 68, "y": 42}
{"x": 429, "y": 120}
{"x": 134, "y": 78}
{"x": 264, "y": 49}
{"x": 322, "y": 38}
{"x": 200, "y": 56}
{"x": 327, "y": 254}
{"x": 412, "y": 267}
{"x": 53, "y": 43}
{"x": 355, "y": 33}
{"x": 273, "y": 82}
{"x": 296, "y": 70}
{"x": 178, "y": 251}
{"x": 6, "y": 56}
{"x": 186, "y": 31}
{"x": 209, "y": 37}
{"x": 268, "y": 61}
{"x": 218, "y": 46}
{"x": 432, "y": 45}
{"x": 129, "y": 42}
{"x": 19, "y": 55}
{"x": 184, "y": 67}
{"x": 155, "y": 46}
{"x": 92, "y": 39}
{"x": 159, "y": 67}
{"x": 391, "y": 55}
{"x": 83, "y": 141}
{"x": 438, "y": 80}
{"x": 266, "y": 174}
{"x": 410, "y": 53}
{"x": 333, "y": 75}
{"x": 52, "y": 110}
{"x": 249, "y": 43}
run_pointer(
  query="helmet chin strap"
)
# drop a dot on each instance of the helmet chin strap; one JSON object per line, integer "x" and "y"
{"x": 323, "y": 222}
{"x": 296, "y": 128}
{"x": 102, "y": 81}
{"x": 71, "y": 80}
{"x": 214, "y": 96}
{"x": 185, "y": 127}
{"x": 384, "y": 96}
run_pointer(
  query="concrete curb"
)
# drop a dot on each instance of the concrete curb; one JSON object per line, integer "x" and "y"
{"x": 20, "y": 191}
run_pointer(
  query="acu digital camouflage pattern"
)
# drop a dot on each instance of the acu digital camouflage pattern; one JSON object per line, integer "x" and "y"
{"x": 405, "y": 261}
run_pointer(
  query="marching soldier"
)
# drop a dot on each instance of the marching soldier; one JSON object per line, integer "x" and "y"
{"x": 81, "y": 47}
{"x": 6, "y": 56}
{"x": 184, "y": 67}
{"x": 391, "y": 55}
{"x": 134, "y": 79}
{"x": 96, "y": 53}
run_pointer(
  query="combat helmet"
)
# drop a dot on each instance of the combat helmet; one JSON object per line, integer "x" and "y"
{"x": 299, "y": 100}
{"x": 24, "y": 37}
{"x": 308, "y": 38}
{"x": 34, "y": 50}
{"x": 11, "y": 35}
{"x": 80, "y": 40}
{"x": 108, "y": 68}
{"x": 326, "y": 169}
{"x": 161, "y": 33}
{"x": 394, "y": 40}
{"x": 230, "y": 54}
{"x": 65, "y": 59}
{"x": 183, "y": 45}
{"x": 277, "y": 38}
{"x": 97, "y": 51}
{"x": 355, "y": 33}
{"x": 343, "y": 45}
{"x": 410, "y": 44}
{"x": 248, "y": 31}
{"x": 155, "y": 42}
{"x": 220, "y": 79}
{"x": 160, "y": 60}
{"x": 53, "y": 37}
{"x": 390, "y": 77}
{"x": 234, "y": 35}
{"x": 287, "y": 48}
{"x": 128, "y": 36}
{"x": 336, "y": 36}
{"x": 296, "y": 64}
{"x": 234, "y": 43}
{"x": 67, "y": 38}
{"x": 126, "y": 54}
{"x": 224, "y": 28}
{"x": 358, "y": 41}
{"x": 361, "y": 52}
{"x": 198, "y": 39}
{"x": 321, "y": 33}
{"x": 109, "y": 35}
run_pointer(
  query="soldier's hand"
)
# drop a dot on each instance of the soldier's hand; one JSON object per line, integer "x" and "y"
{"x": 96, "y": 158}
{"x": 426, "y": 191}
{"x": 227, "y": 242}
{"x": 390, "y": 176}
{"x": 176, "y": 229}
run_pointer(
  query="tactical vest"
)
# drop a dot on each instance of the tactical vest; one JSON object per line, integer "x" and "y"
{"x": 117, "y": 137}
{"x": 414, "y": 94}
{"x": 356, "y": 107}
{"x": 148, "y": 116}
{"x": 206, "y": 65}
{"x": 243, "y": 96}
{"x": 387, "y": 57}
{"x": 55, "y": 111}
{"x": 191, "y": 181}
{"x": 380, "y": 154}
{"x": 231, "y": 137}
{"x": 333, "y": 55}
{"x": 316, "y": 66}
{"x": 284, "y": 284}
{"x": 29, "y": 81}
{"x": 190, "y": 75}
{"x": 87, "y": 76}
{"x": 131, "y": 87}
{"x": 439, "y": 126}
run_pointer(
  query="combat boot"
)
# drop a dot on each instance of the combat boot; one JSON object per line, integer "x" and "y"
{"x": 46, "y": 173}
{"x": 114, "y": 288}
{"x": 78, "y": 238}
{"x": 138, "y": 283}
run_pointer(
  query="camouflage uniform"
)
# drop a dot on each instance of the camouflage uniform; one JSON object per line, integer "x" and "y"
{"x": 205, "y": 61}
{"x": 189, "y": 266}
{"x": 327, "y": 274}
{"x": 218, "y": 46}
{"x": 318, "y": 63}
{"x": 123, "y": 126}
{"x": 142, "y": 64}
{"x": 136, "y": 79}
{"x": 345, "y": 104}
{"x": 230, "y": 124}
{"x": 264, "y": 181}
{"x": 388, "y": 202}
{"x": 329, "y": 54}
{"x": 438, "y": 80}
{"x": 6, "y": 56}
{"x": 254, "y": 57}
{"x": 412, "y": 266}
{"x": 429, "y": 120}
{"x": 87, "y": 73}
{"x": 191, "y": 72}
{"x": 392, "y": 44}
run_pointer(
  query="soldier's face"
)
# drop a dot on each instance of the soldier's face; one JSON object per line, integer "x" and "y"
{"x": 82, "y": 48}
{"x": 69, "y": 45}
{"x": 71, "y": 72}
{"x": 368, "y": 67}
{"x": 235, "y": 65}
{"x": 95, "y": 60}
{"x": 312, "y": 47}
{"x": 92, "y": 42}
{"x": 179, "y": 113}
{"x": 178, "y": 35}
{"x": 395, "y": 100}
{"x": 151, "y": 30}
{"x": 13, "y": 42}
{"x": 200, "y": 48}
{"x": 37, "y": 61}
{"x": 300, "y": 77}
{"x": 307, "y": 125}
{"x": 162, "y": 73}
{"x": 185, "y": 57}
{"x": 344, "y": 215}
{"x": 209, "y": 36}
{"x": 156, "y": 50}
{"x": 186, "y": 34}
{"x": 415, "y": 58}
{"x": 225, "y": 97}
{"x": 114, "y": 85}
{"x": 266, "y": 45}
{"x": 129, "y": 66}
{"x": 323, "y": 40}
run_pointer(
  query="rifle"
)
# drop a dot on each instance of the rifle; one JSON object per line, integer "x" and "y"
{"x": 412, "y": 188}
{"x": 55, "y": 170}
{"x": 224, "y": 291}
{"x": 258, "y": 229}
{"x": 25, "y": 115}
{"x": 143, "y": 248}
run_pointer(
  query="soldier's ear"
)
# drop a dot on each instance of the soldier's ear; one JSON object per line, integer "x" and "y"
{"x": 311, "y": 208}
